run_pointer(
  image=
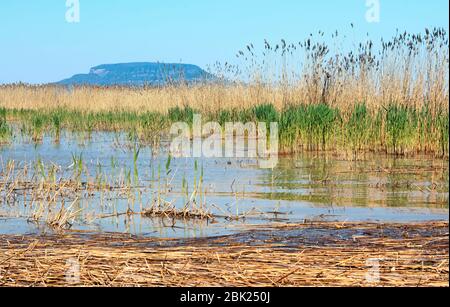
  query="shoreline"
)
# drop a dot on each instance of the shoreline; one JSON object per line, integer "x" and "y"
{"x": 309, "y": 254}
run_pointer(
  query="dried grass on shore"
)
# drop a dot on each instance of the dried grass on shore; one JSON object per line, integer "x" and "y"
{"x": 419, "y": 258}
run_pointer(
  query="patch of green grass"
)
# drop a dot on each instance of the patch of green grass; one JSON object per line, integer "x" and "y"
{"x": 358, "y": 127}
{"x": 265, "y": 113}
{"x": 308, "y": 125}
{"x": 185, "y": 114}
{"x": 5, "y": 131}
{"x": 401, "y": 124}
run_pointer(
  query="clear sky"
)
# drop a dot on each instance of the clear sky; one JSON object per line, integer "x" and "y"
{"x": 38, "y": 45}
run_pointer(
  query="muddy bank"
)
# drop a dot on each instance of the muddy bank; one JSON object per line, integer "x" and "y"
{"x": 309, "y": 254}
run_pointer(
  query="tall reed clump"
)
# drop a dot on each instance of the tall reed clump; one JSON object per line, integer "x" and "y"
{"x": 401, "y": 123}
{"x": 5, "y": 130}
{"x": 359, "y": 128}
{"x": 308, "y": 127}
{"x": 409, "y": 69}
{"x": 396, "y": 130}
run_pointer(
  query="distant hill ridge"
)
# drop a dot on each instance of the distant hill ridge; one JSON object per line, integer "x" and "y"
{"x": 140, "y": 74}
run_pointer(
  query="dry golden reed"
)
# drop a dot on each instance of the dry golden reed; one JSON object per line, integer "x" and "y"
{"x": 119, "y": 260}
{"x": 409, "y": 69}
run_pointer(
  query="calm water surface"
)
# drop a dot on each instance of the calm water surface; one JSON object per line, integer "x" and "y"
{"x": 309, "y": 186}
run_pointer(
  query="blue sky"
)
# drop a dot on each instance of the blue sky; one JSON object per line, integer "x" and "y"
{"x": 38, "y": 45}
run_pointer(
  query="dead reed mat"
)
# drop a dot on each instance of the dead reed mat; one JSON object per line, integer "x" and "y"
{"x": 309, "y": 254}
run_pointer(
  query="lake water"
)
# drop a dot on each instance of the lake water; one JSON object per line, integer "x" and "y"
{"x": 310, "y": 186}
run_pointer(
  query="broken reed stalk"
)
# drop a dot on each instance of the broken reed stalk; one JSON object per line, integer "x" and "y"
{"x": 189, "y": 212}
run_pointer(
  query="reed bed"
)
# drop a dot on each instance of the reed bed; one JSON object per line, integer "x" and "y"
{"x": 390, "y": 96}
{"x": 410, "y": 69}
{"x": 418, "y": 257}
{"x": 392, "y": 129}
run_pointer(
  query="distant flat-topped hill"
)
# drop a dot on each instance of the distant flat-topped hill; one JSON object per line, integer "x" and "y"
{"x": 140, "y": 74}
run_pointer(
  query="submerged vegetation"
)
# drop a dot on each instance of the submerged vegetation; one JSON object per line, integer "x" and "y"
{"x": 389, "y": 97}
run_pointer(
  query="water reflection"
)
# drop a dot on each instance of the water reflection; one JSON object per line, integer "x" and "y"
{"x": 306, "y": 186}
